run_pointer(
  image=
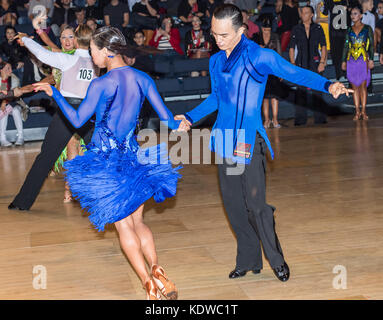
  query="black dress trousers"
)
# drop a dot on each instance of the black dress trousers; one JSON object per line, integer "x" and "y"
{"x": 59, "y": 133}
{"x": 252, "y": 219}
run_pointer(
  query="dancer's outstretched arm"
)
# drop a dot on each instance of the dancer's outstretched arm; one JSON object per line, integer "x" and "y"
{"x": 95, "y": 96}
{"x": 271, "y": 62}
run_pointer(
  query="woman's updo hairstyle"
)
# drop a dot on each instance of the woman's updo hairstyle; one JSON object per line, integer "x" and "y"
{"x": 112, "y": 39}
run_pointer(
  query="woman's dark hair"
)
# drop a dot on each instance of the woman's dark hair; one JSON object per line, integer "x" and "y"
{"x": 357, "y": 6}
{"x": 229, "y": 11}
{"x": 112, "y": 39}
{"x": 9, "y": 27}
{"x": 3, "y": 64}
{"x": 163, "y": 18}
{"x": 266, "y": 22}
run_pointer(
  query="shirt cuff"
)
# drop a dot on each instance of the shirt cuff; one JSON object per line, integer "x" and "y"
{"x": 188, "y": 118}
{"x": 327, "y": 85}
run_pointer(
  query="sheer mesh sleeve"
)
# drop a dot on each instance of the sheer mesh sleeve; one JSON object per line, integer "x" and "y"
{"x": 158, "y": 104}
{"x": 273, "y": 63}
{"x": 94, "y": 96}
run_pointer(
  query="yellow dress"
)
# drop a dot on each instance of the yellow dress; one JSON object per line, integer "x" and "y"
{"x": 324, "y": 26}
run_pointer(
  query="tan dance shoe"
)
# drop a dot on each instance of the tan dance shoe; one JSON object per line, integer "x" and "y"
{"x": 167, "y": 287}
{"x": 152, "y": 293}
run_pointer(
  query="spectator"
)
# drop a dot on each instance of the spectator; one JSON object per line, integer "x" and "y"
{"x": 63, "y": 14}
{"x": 187, "y": 9}
{"x": 197, "y": 43}
{"x": 167, "y": 38}
{"x": 306, "y": 37}
{"x": 337, "y": 31}
{"x": 139, "y": 38}
{"x": 368, "y": 16}
{"x": 145, "y": 14}
{"x": 35, "y": 7}
{"x": 8, "y": 13}
{"x": 92, "y": 23}
{"x": 209, "y": 7}
{"x": 289, "y": 18}
{"x": 274, "y": 89}
{"x": 321, "y": 19}
{"x": 93, "y": 11}
{"x": 10, "y": 82}
{"x": 116, "y": 14}
{"x": 80, "y": 17}
{"x": 378, "y": 26}
{"x": 12, "y": 52}
{"x": 252, "y": 27}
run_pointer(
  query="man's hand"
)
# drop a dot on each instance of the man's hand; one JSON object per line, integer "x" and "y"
{"x": 184, "y": 125}
{"x": 337, "y": 88}
{"x": 43, "y": 86}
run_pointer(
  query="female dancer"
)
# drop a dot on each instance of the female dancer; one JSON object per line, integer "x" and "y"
{"x": 73, "y": 147}
{"x": 114, "y": 177}
{"x": 358, "y": 59}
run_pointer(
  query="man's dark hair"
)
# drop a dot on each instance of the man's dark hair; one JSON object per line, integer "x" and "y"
{"x": 229, "y": 11}
{"x": 357, "y": 6}
{"x": 310, "y": 7}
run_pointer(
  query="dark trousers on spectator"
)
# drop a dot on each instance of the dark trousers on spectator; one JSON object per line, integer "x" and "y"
{"x": 252, "y": 219}
{"x": 337, "y": 38}
{"x": 302, "y": 104}
{"x": 57, "y": 137}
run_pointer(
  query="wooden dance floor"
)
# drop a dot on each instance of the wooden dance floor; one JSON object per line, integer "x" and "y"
{"x": 326, "y": 183}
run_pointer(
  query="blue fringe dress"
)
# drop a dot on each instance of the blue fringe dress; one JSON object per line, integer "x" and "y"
{"x": 115, "y": 176}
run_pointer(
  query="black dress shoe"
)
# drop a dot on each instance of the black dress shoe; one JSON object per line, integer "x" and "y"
{"x": 236, "y": 273}
{"x": 282, "y": 272}
{"x": 12, "y": 206}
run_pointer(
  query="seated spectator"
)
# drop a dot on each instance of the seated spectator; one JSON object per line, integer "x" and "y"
{"x": 116, "y": 14}
{"x": 80, "y": 17}
{"x": 93, "y": 11}
{"x": 63, "y": 14}
{"x": 167, "y": 38}
{"x": 12, "y": 52}
{"x": 252, "y": 27}
{"x": 197, "y": 43}
{"x": 8, "y": 13}
{"x": 187, "y": 9}
{"x": 145, "y": 14}
{"x": 8, "y": 82}
{"x": 35, "y": 8}
{"x": 92, "y": 23}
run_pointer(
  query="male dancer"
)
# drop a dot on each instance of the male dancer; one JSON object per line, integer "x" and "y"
{"x": 77, "y": 73}
{"x": 238, "y": 75}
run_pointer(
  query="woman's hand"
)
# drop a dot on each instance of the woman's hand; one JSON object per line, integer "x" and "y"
{"x": 370, "y": 64}
{"x": 21, "y": 35}
{"x": 43, "y": 86}
{"x": 344, "y": 66}
{"x": 184, "y": 125}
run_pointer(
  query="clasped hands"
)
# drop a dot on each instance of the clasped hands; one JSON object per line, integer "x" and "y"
{"x": 185, "y": 125}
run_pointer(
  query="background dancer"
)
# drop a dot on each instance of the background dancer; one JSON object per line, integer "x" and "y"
{"x": 77, "y": 72}
{"x": 239, "y": 74}
{"x": 110, "y": 179}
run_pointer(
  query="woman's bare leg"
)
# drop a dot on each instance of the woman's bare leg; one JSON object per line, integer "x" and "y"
{"x": 265, "y": 107}
{"x": 363, "y": 99}
{"x": 356, "y": 98}
{"x": 146, "y": 237}
{"x": 131, "y": 245}
{"x": 274, "y": 107}
{"x": 72, "y": 151}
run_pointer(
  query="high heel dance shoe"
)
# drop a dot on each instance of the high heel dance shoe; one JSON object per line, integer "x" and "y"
{"x": 357, "y": 116}
{"x": 67, "y": 196}
{"x": 167, "y": 287}
{"x": 267, "y": 124}
{"x": 364, "y": 116}
{"x": 152, "y": 293}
